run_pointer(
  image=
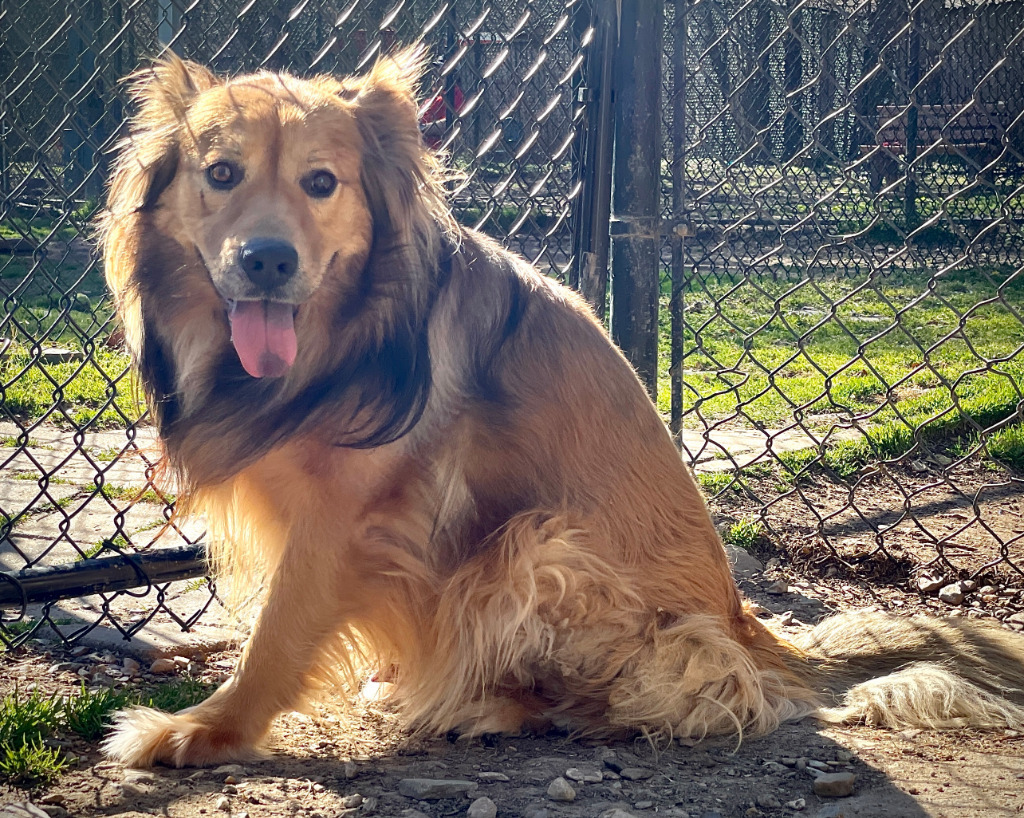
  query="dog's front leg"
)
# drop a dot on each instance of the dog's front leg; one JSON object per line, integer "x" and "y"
{"x": 303, "y": 609}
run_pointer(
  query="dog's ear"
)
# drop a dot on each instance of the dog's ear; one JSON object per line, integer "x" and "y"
{"x": 148, "y": 157}
{"x": 396, "y": 166}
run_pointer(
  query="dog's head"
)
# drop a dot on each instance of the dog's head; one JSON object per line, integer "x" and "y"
{"x": 279, "y": 185}
{"x": 272, "y": 240}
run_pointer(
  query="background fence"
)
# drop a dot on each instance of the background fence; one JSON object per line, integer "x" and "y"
{"x": 821, "y": 277}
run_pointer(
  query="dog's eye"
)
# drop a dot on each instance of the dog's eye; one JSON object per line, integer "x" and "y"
{"x": 320, "y": 184}
{"x": 223, "y": 175}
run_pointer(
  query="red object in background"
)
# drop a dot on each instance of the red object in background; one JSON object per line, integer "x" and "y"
{"x": 433, "y": 120}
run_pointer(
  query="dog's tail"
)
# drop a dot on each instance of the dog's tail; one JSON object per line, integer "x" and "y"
{"x": 901, "y": 672}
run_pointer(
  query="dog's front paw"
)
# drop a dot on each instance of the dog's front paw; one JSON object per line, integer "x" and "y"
{"x": 143, "y": 736}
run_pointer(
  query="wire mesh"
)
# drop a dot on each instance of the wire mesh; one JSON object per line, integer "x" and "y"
{"x": 77, "y": 454}
{"x": 841, "y": 340}
{"x": 844, "y": 345}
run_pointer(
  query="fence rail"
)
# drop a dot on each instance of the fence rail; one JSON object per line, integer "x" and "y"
{"x": 821, "y": 278}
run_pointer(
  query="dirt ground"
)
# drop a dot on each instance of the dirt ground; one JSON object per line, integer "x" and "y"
{"x": 361, "y": 764}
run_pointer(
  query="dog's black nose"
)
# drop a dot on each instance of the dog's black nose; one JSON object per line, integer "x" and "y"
{"x": 269, "y": 263}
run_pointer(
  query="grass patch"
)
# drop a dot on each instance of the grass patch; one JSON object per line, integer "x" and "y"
{"x": 177, "y": 695}
{"x": 88, "y": 713}
{"x": 97, "y": 548}
{"x": 770, "y": 346}
{"x": 26, "y": 722}
{"x": 129, "y": 494}
{"x": 92, "y": 392}
{"x": 744, "y": 534}
{"x": 30, "y": 765}
{"x": 715, "y": 482}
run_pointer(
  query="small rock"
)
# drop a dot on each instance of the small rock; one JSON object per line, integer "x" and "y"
{"x": 237, "y": 770}
{"x": 616, "y": 812}
{"x": 230, "y": 779}
{"x": 163, "y": 666}
{"x": 952, "y": 594}
{"x": 928, "y": 584}
{"x": 768, "y": 801}
{"x": 778, "y": 587}
{"x": 537, "y": 812}
{"x": 352, "y": 801}
{"x": 139, "y": 777}
{"x": 414, "y": 813}
{"x": 636, "y": 773}
{"x": 52, "y": 798}
{"x": 834, "y": 785}
{"x": 131, "y": 666}
{"x": 432, "y": 789}
{"x": 789, "y": 762}
{"x": 55, "y": 811}
{"x": 1016, "y": 619}
{"x": 349, "y": 769}
{"x": 744, "y": 564}
{"x": 584, "y": 775}
{"x": 774, "y": 767}
{"x": 229, "y": 789}
{"x": 796, "y": 804}
{"x": 643, "y": 804}
{"x": 223, "y": 803}
{"x": 818, "y": 765}
{"x": 786, "y": 618}
{"x": 844, "y": 756}
{"x": 561, "y": 790}
{"x": 918, "y": 466}
{"x": 491, "y": 776}
{"x": 483, "y": 807}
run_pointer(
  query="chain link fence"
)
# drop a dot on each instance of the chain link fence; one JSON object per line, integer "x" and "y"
{"x": 844, "y": 298}
{"x": 79, "y": 509}
{"x": 840, "y": 333}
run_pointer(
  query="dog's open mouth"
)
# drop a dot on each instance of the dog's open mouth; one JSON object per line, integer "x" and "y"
{"x": 263, "y": 333}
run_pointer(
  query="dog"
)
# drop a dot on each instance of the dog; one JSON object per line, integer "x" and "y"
{"x": 429, "y": 459}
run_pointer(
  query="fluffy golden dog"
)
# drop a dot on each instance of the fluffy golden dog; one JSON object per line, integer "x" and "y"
{"x": 431, "y": 458}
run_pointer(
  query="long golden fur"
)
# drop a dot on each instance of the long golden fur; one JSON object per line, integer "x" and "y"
{"x": 431, "y": 457}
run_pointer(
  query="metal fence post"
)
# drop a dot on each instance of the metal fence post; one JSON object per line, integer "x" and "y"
{"x": 590, "y": 276}
{"x": 676, "y": 304}
{"x": 636, "y": 223}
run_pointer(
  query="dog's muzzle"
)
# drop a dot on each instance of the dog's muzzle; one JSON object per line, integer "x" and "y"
{"x": 263, "y": 330}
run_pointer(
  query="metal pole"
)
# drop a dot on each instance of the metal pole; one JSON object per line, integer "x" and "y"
{"x": 636, "y": 226}
{"x": 591, "y": 275}
{"x": 910, "y": 216}
{"x": 677, "y": 301}
{"x": 168, "y": 21}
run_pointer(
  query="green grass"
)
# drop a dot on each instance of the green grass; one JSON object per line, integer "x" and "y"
{"x": 26, "y": 722}
{"x": 715, "y": 482}
{"x": 88, "y": 713}
{"x": 130, "y": 494}
{"x": 176, "y": 695}
{"x": 744, "y": 534}
{"x": 98, "y": 548}
{"x": 76, "y": 392}
{"x": 30, "y": 765}
{"x": 848, "y": 350}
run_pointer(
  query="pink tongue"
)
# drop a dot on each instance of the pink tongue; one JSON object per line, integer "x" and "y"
{"x": 264, "y": 337}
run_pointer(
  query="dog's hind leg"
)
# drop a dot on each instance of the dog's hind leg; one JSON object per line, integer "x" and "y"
{"x": 303, "y": 610}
